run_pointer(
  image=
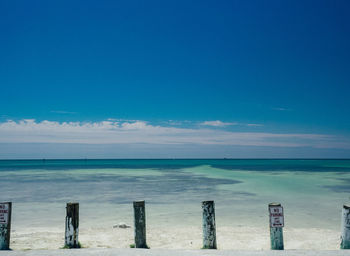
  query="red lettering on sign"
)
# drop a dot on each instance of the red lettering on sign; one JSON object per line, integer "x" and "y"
{"x": 276, "y": 216}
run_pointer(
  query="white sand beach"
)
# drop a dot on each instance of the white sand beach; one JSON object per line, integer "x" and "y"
{"x": 162, "y": 252}
{"x": 228, "y": 238}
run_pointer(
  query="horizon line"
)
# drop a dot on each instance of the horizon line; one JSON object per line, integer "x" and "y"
{"x": 224, "y": 158}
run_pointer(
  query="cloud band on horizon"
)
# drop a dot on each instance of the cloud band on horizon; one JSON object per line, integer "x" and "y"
{"x": 132, "y": 132}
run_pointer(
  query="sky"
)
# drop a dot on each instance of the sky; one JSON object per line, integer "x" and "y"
{"x": 174, "y": 79}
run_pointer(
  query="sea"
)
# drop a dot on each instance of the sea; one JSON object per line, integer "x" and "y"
{"x": 311, "y": 191}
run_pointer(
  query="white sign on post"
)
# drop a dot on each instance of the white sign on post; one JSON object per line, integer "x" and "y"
{"x": 276, "y": 217}
{"x": 4, "y": 213}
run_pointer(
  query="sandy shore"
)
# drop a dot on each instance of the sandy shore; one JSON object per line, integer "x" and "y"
{"x": 185, "y": 238}
{"x": 162, "y": 252}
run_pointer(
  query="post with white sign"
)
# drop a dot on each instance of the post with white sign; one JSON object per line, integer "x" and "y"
{"x": 276, "y": 226}
{"x": 72, "y": 226}
{"x": 345, "y": 228}
{"x": 5, "y": 225}
{"x": 140, "y": 224}
{"x": 209, "y": 228}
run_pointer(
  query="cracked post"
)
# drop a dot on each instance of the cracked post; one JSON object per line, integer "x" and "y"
{"x": 140, "y": 224}
{"x": 276, "y": 226}
{"x": 209, "y": 229}
{"x": 5, "y": 225}
{"x": 345, "y": 228}
{"x": 72, "y": 226}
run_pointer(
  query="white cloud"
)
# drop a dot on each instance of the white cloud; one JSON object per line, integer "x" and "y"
{"x": 217, "y": 123}
{"x": 137, "y": 125}
{"x": 116, "y": 132}
{"x": 122, "y": 120}
{"x": 255, "y": 125}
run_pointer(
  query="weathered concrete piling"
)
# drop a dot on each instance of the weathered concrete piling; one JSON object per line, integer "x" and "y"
{"x": 345, "y": 228}
{"x": 5, "y": 225}
{"x": 276, "y": 226}
{"x": 140, "y": 224}
{"x": 209, "y": 228}
{"x": 72, "y": 226}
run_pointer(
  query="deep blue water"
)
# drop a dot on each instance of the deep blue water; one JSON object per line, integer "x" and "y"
{"x": 306, "y": 165}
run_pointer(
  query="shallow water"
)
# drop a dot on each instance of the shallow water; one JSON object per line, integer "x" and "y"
{"x": 311, "y": 191}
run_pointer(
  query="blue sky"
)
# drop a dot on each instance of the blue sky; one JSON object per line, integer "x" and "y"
{"x": 241, "y": 73}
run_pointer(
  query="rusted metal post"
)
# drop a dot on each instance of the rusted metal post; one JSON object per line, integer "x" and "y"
{"x": 5, "y": 225}
{"x": 140, "y": 224}
{"x": 345, "y": 228}
{"x": 209, "y": 228}
{"x": 72, "y": 226}
{"x": 276, "y": 226}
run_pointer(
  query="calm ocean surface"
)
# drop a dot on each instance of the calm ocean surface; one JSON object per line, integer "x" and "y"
{"x": 311, "y": 191}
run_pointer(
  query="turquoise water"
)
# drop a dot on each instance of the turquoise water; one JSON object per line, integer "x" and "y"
{"x": 311, "y": 191}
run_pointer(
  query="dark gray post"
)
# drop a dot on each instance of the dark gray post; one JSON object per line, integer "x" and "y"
{"x": 345, "y": 228}
{"x": 72, "y": 226}
{"x": 140, "y": 224}
{"x": 276, "y": 228}
{"x": 5, "y": 225}
{"x": 209, "y": 229}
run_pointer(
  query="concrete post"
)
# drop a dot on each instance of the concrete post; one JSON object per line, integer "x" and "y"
{"x": 72, "y": 226}
{"x": 5, "y": 225}
{"x": 345, "y": 228}
{"x": 276, "y": 226}
{"x": 140, "y": 224}
{"x": 209, "y": 228}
